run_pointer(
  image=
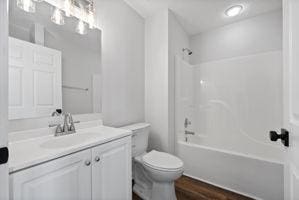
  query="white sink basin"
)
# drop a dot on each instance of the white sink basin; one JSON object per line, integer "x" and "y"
{"x": 68, "y": 140}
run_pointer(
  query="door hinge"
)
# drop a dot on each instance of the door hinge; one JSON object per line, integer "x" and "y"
{"x": 4, "y": 155}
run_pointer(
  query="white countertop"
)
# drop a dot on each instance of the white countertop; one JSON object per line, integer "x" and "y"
{"x": 28, "y": 152}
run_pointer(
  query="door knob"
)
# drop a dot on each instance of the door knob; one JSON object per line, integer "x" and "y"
{"x": 87, "y": 162}
{"x": 284, "y": 136}
{"x": 4, "y": 154}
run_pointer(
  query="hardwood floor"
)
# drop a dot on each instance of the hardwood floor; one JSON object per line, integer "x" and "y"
{"x": 136, "y": 197}
{"x": 191, "y": 189}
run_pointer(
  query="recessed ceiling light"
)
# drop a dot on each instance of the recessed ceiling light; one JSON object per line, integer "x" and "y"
{"x": 234, "y": 11}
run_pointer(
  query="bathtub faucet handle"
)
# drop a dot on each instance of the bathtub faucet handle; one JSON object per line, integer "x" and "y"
{"x": 187, "y": 122}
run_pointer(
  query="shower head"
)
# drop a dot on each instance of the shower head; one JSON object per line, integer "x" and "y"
{"x": 188, "y": 51}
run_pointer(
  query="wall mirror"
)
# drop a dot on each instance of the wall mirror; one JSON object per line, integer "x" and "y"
{"x": 54, "y": 59}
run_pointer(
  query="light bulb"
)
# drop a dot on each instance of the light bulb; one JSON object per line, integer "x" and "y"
{"x": 67, "y": 8}
{"x": 57, "y": 17}
{"x": 81, "y": 28}
{"x": 26, "y": 5}
{"x": 234, "y": 11}
{"x": 91, "y": 20}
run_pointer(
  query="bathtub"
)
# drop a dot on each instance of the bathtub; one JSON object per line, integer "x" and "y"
{"x": 248, "y": 175}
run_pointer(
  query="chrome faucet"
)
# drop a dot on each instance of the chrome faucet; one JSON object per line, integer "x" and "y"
{"x": 68, "y": 126}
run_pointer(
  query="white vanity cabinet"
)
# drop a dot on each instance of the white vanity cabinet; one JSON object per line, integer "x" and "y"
{"x": 67, "y": 178}
{"x": 99, "y": 173}
{"x": 111, "y": 171}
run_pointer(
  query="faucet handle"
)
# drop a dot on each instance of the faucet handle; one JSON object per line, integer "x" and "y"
{"x": 71, "y": 119}
{"x": 66, "y": 123}
{"x": 59, "y": 129}
{"x": 72, "y": 123}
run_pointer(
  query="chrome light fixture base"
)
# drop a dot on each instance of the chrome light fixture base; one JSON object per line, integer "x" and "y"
{"x": 57, "y": 17}
{"x": 26, "y": 5}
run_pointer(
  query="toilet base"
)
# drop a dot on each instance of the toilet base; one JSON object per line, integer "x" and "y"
{"x": 163, "y": 191}
{"x": 142, "y": 192}
{"x": 147, "y": 189}
{"x": 143, "y": 184}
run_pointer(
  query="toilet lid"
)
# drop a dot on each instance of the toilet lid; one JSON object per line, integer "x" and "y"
{"x": 161, "y": 160}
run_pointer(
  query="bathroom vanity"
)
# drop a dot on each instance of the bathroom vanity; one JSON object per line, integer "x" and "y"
{"x": 94, "y": 163}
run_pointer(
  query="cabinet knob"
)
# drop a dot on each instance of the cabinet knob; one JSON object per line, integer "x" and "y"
{"x": 87, "y": 162}
{"x": 97, "y": 159}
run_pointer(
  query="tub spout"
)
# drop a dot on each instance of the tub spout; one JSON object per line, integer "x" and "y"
{"x": 189, "y": 133}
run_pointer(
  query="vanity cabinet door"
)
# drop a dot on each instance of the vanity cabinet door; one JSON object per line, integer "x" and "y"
{"x": 111, "y": 171}
{"x": 67, "y": 178}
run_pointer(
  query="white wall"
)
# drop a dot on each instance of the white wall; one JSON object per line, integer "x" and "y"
{"x": 165, "y": 38}
{"x": 254, "y": 35}
{"x": 156, "y": 79}
{"x": 122, "y": 62}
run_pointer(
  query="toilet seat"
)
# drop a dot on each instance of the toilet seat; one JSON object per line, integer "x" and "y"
{"x": 162, "y": 161}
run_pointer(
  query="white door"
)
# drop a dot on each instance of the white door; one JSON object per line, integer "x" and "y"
{"x": 111, "y": 171}
{"x": 67, "y": 178}
{"x": 291, "y": 96}
{"x": 3, "y": 95}
{"x": 34, "y": 80}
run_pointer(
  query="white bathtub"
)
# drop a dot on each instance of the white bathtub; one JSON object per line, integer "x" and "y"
{"x": 251, "y": 176}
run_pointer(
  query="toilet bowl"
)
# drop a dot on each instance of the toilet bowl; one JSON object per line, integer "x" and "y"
{"x": 154, "y": 172}
{"x": 163, "y": 169}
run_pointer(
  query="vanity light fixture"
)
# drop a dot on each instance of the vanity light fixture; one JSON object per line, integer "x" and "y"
{"x": 86, "y": 15}
{"x": 234, "y": 11}
{"x": 90, "y": 12}
{"x": 91, "y": 20}
{"x": 68, "y": 7}
{"x": 57, "y": 17}
{"x": 81, "y": 27}
{"x": 26, "y": 5}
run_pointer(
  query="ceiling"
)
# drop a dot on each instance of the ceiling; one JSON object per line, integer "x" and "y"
{"x": 197, "y": 16}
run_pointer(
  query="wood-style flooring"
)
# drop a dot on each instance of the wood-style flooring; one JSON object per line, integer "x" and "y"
{"x": 191, "y": 189}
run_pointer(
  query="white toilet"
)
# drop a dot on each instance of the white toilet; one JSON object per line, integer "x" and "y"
{"x": 154, "y": 172}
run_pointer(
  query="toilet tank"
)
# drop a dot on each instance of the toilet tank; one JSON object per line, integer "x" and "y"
{"x": 139, "y": 137}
